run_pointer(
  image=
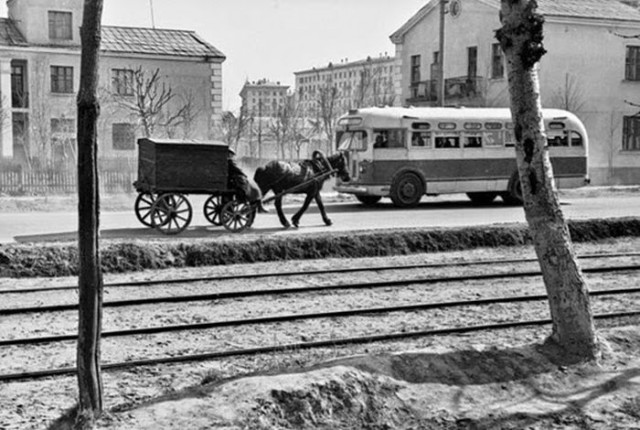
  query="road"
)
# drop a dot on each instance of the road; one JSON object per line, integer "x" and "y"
{"x": 450, "y": 211}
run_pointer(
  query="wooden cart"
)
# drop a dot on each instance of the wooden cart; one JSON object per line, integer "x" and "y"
{"x": 168, "y": 170}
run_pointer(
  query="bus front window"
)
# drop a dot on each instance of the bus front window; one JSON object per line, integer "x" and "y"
{"x": 353, "y": 141}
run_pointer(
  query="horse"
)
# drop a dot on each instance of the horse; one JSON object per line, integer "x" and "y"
{"x": 304, "y": 177}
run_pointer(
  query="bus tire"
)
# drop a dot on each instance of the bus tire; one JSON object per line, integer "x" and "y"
{"x": 368, "y": 200}
{"x": 513, "y": 196}
{"x": 482, "y": 198}
{"x": 407, "y": 190}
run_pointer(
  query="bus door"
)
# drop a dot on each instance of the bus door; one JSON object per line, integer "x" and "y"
{"x": 353, "y": 143}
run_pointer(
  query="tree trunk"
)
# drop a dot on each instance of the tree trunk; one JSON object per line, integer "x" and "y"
{"x": 521, "y": 41}
{"x": 90, "y": 276}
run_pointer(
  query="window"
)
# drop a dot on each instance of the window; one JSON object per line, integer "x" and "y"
{"x": 19, "y": 97}
{"x": 394, "y": 138}
{"x": 61, "y": 79}
{"x": 448, "y": 141}
{"x": 420, "y": 139}
{"x": 60, "y": 25}
{"x": 123, "y": 137}
{"x": 632, "y": 64}
{"x": 415, "y": 69}
{"x": 631, "y": 133}
{"x": 472, "y": 140}
{"x": 354, "y": 140}
{"x": 497, "y": 61}
{"x": 62, "y": 125}
{"x": 122, "y": 82}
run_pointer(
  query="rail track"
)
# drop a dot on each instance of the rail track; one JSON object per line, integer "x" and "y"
{"x": 271, "y": 319}
{"x": 186, "y": 280}
{"x": 305, "y": 289}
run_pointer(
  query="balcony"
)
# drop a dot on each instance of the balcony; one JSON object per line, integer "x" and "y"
{"x": 423, "y": 93}
{"x": 461, "y": 90}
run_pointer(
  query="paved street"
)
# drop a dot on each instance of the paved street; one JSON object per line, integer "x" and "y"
{"x": 451, "y": 211}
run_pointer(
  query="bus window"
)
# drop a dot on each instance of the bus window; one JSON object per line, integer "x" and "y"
{"x": 492, "y": 138}
{"x": 447, "y": 141}
{"x": 509, "y": 137}
{"x": 472, "y": 126}
{"x": 493, "y": 125}
{"x": 352, "y": 140}
{"x": 393, "y": 138}
{"x": 472, "y": 141}
{"x": 576, "y": 139}
{"x": 557, "y": 139}
{"x": 420, "y": 139}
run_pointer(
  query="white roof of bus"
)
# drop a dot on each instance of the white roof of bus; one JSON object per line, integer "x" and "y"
{"x": 451, "y": 114}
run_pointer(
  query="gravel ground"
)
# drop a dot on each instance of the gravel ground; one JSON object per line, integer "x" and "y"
{"x": 31, "y": 404}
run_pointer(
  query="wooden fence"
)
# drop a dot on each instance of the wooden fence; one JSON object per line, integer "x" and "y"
{"x": 61, "y": 182}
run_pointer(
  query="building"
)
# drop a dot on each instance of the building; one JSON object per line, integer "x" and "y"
{"x": 346, "y": 85}
{"x": 263, "y": 98}
{"x": 592, "y": 68}
{"x": 40, "y": 74}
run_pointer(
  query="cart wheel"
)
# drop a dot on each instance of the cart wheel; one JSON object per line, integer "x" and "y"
{"x": 237, "y": 215}
{"x": 142, "y": 207}
{"x": 171, "y": 213}
{"x": 213, "y": 209}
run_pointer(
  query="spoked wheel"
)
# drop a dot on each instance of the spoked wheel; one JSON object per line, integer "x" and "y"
{"x": 213, "y": 209}
{"x": 142, "y": 207}
{"x": 237, "y": 215}
{"x": 171, "y": 213}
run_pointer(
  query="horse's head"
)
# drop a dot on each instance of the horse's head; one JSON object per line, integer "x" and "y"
{"x": 339, "y": 163}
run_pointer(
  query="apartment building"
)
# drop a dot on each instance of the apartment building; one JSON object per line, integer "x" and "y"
{"x": 263, "y": 98}
{"x": 40, "y": 72}
{"x": 348, "y": 84}
{"x": 592, "y": 68}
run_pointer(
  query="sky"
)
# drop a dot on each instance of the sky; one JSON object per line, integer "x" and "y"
{"x": 272, "y": 39}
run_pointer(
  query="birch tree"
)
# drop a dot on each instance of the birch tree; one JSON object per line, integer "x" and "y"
{"x": 90, "y": 277}
{"x": 521, "y": 37}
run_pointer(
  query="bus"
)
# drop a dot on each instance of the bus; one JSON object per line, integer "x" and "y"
{"x": 405, "y": 153}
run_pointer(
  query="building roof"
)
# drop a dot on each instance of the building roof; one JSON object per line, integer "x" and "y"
{"x": 347, "y": 65}
{"x": 9, "y": 34}
{"x": 597, "y": 10}
{"x": 132, "y": 40}
{"x": 140, "y": 40}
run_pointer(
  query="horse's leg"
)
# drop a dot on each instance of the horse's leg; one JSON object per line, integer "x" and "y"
{"x": 296, "y": 218}
{"x": 283, "y": 219}
{"x": 325, "y": 218}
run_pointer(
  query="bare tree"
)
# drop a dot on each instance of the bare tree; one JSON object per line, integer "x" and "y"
{"x": 233, "y": 127}
{"x": 150, "y": 98}
{"x": 521, "y": 37}
{"x": 327, "y": 110}
{"x": 569, "y": 96}
{"x": 282, "y": 125}
{"x": 90, "y": 276}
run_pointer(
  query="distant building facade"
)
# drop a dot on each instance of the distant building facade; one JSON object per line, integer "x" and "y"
{"x": 40, "y": 74}
{"x": 263, "y": 98}
{"x": 347, "y": 85}
{"x": 592, "y": 68}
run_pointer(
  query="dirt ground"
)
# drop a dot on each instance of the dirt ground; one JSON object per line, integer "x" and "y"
{"x": 485, "y": 380}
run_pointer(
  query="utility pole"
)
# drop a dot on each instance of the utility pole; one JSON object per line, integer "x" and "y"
{"x": 153, "y": 21}
{"x": 443, "y": 12}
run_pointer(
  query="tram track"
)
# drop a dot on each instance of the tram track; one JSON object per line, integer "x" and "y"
{"x": 334, "y": 342}
{"x": 314, "y": 315}
{"x": 306, "y": 289}
{"x": 265, "y": 275}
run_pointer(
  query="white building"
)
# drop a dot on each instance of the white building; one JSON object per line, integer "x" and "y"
{"x": 40, "y": 74}
{"x": 368, "y": 82}
{"x": 592, "y": 68}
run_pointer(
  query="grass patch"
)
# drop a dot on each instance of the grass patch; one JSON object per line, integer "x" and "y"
{"x": 62, "y": 260}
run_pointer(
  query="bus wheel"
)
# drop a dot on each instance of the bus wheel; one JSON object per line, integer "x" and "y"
{"x": 482, "y": 198}
{"x": 513, "y": 196}
{"x": 368, "y": 200}
{"x": 407, "y": 190}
